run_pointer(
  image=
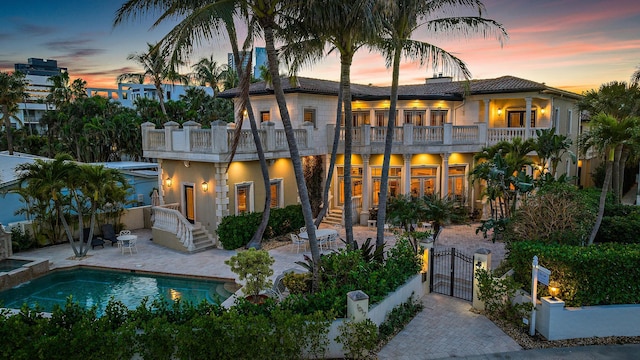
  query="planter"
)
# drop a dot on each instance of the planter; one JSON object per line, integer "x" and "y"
{"x": 257, "y": 299}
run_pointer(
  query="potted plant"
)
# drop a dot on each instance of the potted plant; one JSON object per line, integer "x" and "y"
{"x": 254, "y": 267}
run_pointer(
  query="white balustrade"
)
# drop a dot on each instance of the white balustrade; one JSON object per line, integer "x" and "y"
{"x": 171, "y": 220}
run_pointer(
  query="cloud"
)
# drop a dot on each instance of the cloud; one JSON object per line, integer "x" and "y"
{"x": 29, "y": 29}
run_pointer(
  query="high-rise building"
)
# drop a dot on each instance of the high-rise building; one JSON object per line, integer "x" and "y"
{"x": 244, "y": 56}
{"x": 261, "y": 59}
{"x": 37, "y": 71}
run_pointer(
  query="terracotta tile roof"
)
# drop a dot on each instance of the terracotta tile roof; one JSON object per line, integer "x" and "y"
{"x": 444, "y": 90}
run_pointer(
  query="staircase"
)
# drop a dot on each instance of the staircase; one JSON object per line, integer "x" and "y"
{"x": 334, "y": 217}
{"x": 202, "y": 240}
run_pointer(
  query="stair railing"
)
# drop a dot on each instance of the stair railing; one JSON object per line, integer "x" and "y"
{"x": 168, "y": 218}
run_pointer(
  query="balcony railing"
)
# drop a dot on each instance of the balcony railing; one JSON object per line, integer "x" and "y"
{"x": 447, "y": 134}
{"x": 219, "y": 139}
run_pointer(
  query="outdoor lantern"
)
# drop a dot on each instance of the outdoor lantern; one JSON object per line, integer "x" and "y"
{"x": 168, "y": 182}
{"x": 542, "y": 111}
{"x": 205, "y": 186}
{"x": 499, "y": 111}
{"x": 554, "y": 290}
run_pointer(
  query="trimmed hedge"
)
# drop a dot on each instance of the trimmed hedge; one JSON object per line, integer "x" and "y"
{"x": 621, "y": 224}
{"x": 236, "y": 231}
{"x": 601, "y": 274}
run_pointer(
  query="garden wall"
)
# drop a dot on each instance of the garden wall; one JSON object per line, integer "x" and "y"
{"x": 555, "y": 322}
{"x": 378, "y": 312}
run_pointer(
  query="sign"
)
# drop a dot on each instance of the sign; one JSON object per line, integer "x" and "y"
{"x": 543, "y": 275}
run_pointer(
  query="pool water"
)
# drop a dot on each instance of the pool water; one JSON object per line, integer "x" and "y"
{"x": 7, "y": 265}
{"x": 91, "y": 287}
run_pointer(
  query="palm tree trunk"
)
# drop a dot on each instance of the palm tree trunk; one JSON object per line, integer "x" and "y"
{"x": 293, "y": 148}
{"x": 332, "y": 161}
{"x": 245, "y": 76}
{"x": 603, "y": 196}
{"x": 7, "y": 126}
{"x": 388, "y": 144}
{"x": 626, "y": 152}
{"x": 345, "y": 85}
{"x": 615, "y": 181}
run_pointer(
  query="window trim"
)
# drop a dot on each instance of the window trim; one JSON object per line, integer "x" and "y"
{"x": 250, "y": 196}
{"x": 279, "y": 183}
{"x": 314, "y": 114}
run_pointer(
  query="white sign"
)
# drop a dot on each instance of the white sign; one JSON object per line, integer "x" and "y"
{"x": 543, "y": 275}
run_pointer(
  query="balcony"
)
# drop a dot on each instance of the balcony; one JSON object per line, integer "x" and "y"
{"x": 191, "y": 142}
{"x": 449, "y": 137}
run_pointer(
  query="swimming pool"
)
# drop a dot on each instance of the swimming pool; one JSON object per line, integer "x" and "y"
{"x": 91, "y": 287}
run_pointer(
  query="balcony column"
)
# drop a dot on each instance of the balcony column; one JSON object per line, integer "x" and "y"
{"x": 487, "y": 103}
{"x": 444, "y": 188}
{"x": 269, "y": 141}
{"x": 407, "y": 172}
{"x": 146, "y": 127}
{"x": 366, "y": 135}
{"x": 407, "y": 134}
{"x": 447, "y": 133}
{"x": 169, "y": 128}
{"x": 366, "y": 200}
{"x": 308, "y": 126}
{"x": 527, "y": 124}
{"x": 482, "y": 133}
{"x": 188, "y": 127}
{"x": 219, "y": 142}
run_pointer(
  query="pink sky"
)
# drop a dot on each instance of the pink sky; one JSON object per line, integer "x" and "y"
{"x": 571, "y": 44}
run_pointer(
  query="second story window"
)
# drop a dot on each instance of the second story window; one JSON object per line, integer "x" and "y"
{"x": 265, "y": 116}
{"x": 310, "y": 116}
{"x": 517, "y": 118}
{"x": 438, "y": 117}
{"x": 359, "y": 118}
{"x": 415, "y": 117}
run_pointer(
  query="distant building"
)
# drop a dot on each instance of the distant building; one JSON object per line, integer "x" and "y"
{"x": 37, "y": 71}
{"x": 127, "y": 93}
{"x": 259, "y": 59}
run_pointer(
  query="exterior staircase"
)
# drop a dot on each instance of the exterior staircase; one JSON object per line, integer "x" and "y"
{"x": 202, "y": 240}
{"x": 334, "y": 217}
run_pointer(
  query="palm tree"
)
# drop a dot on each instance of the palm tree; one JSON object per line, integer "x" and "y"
{"x": 608, "y": 136}
{"x": 620, "y": 101}
{"x": 12, "y": 91}
{"x": 157, "y": 68}
{"x": 208, "y": 72}
{"x": 322, "y": 23}
{"x": 401, "y": 19}
{"x": 552, "y": 147}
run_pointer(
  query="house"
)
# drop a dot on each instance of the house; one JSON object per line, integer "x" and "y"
{"x": 441, "y": 125}
{"x": 127, "y": 93}
{"x": 141, "y": 176}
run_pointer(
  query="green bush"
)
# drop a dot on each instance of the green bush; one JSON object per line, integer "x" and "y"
{"x": 600, "y": 274}
{"x": 21, "y": 241}
{"x": 358, "y": 339}
{"x": 236, "y": 231}
{"x": 343, "y": 271}
{"x": 497, "y": 293}
{"x": 620, "y": 229}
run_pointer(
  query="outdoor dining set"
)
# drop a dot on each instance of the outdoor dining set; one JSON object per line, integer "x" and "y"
{"x": 327, "y": 238}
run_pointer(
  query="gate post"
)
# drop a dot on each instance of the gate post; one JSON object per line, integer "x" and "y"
{"x": 481, "y": 260}
{"x": 427, "y": 267}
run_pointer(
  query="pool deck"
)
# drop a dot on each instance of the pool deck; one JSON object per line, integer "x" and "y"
{"x": 152, "y": 257}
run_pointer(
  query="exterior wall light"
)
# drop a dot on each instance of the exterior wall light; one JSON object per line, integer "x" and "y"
{"x": 168, "y": 182}
{"x": 499, "y": 111}
{"x": 554, "y": 290}
{"x": 542, "y": 111}
{"x": 205, "y": 186}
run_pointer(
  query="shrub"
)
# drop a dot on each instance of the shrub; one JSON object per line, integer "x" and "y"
{"x": 398, "y": 318}
{"x": 497, "y": 293}
{"x": 358, "y": 339}
{"x": 620, "y": 229}
{"x": 600, "y": 274}
{"x": 236, "y": 231}
{"x": 21, "y": 240}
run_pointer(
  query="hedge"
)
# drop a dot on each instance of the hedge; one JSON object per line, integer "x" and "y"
{"x": 600, "y": 274}
{"x": 236, "y": 231}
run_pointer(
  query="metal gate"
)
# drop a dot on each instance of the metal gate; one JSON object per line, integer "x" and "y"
{"x": 451, "y": 273}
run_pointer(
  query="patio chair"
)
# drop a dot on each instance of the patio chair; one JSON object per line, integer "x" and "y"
{"x": 332, "y": 240}
{"x": 95, "y": 241}
{"x": 129, "y": 245}
{"x": 109, "y": 234}
{"x": 297, "y": 241}
{"x": 278, "y": 289}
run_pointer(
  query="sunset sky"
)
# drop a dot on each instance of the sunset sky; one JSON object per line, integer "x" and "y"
{"x": 575, "y": 45}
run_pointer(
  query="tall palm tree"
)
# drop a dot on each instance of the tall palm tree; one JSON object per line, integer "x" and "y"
{"x": 635, "y": 77}
{"x": 401, "y": 19}
{"x": 208, "y": 72}
{"x": 12, "y": 91}
{"x": 155, "y": 67}
{"x": 552, "y": 147}
{"x": 345, "y": 27}
{"x": 608, "y": 136}
{"x": 620, "y": 101}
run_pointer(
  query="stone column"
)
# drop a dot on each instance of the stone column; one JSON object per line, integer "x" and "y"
{"x": 188, "y": 127}
{"x": 169, "y": 128}
{"x": 527, "y": 124}
{"x": 487, "y": 103}
{"x": 222, "y": 192}
{"x": 444, "y": 184}
{"x": 406, "y": 169}
{"x": 366, "y": 184}
{"x": 357, "y": 306}
{"x": 481, "y": 261}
